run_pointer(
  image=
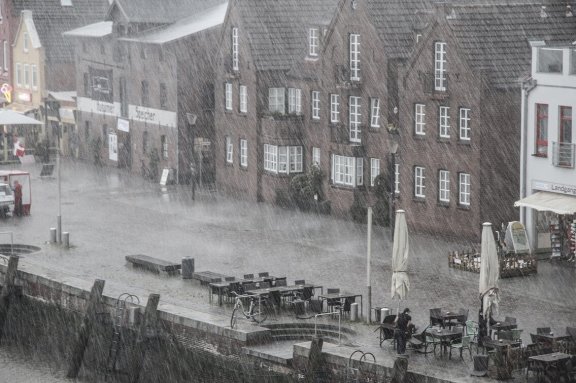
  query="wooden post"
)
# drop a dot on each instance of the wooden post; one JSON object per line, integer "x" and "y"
{"x": 314, "y": 359}
{"x": 85, "y": 329}
{"x": 147, "y": 328}
{"x": 8, "y": 290}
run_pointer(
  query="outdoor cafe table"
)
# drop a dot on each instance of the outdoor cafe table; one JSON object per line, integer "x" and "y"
{"x": 547, "y": 362}
{"x": 503, "y": 326}
{"x": 220, "y": 288}
{"x": 501, "y": 346}
{"x": 343, "y": 295}
{"x": 550, "y": 338}
{"x": 283, "y": 289}
{"x": 446, "y": 316}
{"x": 445, "y": 336}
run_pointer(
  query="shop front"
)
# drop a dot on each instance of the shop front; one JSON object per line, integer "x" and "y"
{"x": 551, "y": 218}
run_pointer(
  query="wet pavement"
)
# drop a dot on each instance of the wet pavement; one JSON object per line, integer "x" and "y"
{"x": 110, "y": 214}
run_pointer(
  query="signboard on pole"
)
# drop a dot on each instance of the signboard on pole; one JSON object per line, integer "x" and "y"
{"x": 113, "y": 147}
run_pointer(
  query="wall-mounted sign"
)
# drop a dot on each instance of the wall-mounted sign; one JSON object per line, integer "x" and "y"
{"x": 100, "y": 107}
{"x": 123, "y": 125}
{"x": 24, "y": 96}
{"x": 152, "y": 116}
{"x": 113, "y": 147}
{"x": 554, "y": 187}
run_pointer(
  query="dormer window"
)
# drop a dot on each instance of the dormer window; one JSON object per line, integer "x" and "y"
{"x": 354, "y": 57}
{"x": 549, "y": 60}
{"x": 313, "y": 42}
{"x": 440, "y": 78}
{"x": 25, "y": 41}
{"x": 235, "y": 63}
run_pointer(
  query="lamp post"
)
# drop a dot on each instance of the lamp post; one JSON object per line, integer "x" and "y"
{"x": 393, "y": 148}
{"x": 191, "y": 118}
{"x": 53, "y": 107}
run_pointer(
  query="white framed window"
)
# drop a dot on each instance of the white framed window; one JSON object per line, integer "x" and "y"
{"x": 18, "y": 74}
{"x": 419, "y": 182}
{"x": 283, "y": 159}
{"x": 355, "y": 118}
{"x": 444, "y": 123}
{"x": 228, "y": 96}
{"x": 316, "y": 156}
{"x": 271, "y": 158}
{"x": 229, "y": 150}
{"x": 5, "y": 56}
{"x": 420, "y": 119}
{"x": 235, "y": 61}
{"x": 464, "y": 189}
{"x": 440, "y": 66}
{"x": 25, "y": 42}
{"x": 276, "y": 100}
{"x": 444, "y": 186}
{"x": 374, "y": 169}
{"x": 334, "y": 108}
{"x": 313, "y": 34}
{"x": 26, "y": 76}
{"x": 464, "y": 124}
{"x": 375, "y": 112}
{"x": 347, "y": 171}
{"x": 244, "y": 153}
{"x": 315, "y": 105}
{"x": 243, "y": 99}
{"x": 354, "y": 57}
{"x": 294, "y": 101}
{"x": 397, "y": 178}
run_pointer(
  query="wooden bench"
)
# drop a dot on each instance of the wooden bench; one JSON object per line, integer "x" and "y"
{"x": 206, "y": 277}
{"x": 153, "y": 264}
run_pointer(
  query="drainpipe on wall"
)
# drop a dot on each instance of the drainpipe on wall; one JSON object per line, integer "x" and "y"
{"x": 527, "y": 87}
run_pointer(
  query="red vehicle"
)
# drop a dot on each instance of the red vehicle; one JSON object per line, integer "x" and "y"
{"x": 23, "y": 177}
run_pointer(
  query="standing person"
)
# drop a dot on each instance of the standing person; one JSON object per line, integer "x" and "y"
{"x": 402, "y": 323}
{"x": 17, "y": 199}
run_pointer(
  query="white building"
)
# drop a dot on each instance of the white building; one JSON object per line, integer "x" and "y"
{"x": 548, "y": 176}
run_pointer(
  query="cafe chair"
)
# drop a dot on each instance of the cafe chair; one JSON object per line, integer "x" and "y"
{"x": 505, "y": 335}
{"x": 510, "y": 320}
{"x": 543, "y": 330}
{"x": 461, "y": 320}
{"x": 248, "y": 276}
{"x": 387, "y": 333}
{"x": 436, "y": 317}
{"x": 264, "y": 274}
{"x": 300, "y": 282}
{"x": 420, "y": 342}
{"x": 471, "y": 330}
{"x": 280, "y": 282}
{"x": 461, "y": 344}
{"x": 517, "y": 335}
{"x": 229, "y": 279}
{"x": 333, "y": 304}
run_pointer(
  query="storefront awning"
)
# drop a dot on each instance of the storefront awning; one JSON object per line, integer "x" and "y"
{"x": 546, "y": 201}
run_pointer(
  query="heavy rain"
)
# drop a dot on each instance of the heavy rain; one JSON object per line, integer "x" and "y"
{"x": 287, "y": 191}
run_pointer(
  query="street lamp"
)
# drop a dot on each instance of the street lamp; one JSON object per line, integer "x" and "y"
{"x": 392, "y": 148}
{"x": 191, "y": 118}
{"x": 53, "y": 108}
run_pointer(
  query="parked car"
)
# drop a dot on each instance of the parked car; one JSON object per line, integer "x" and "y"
{"x": 6, "y": 199}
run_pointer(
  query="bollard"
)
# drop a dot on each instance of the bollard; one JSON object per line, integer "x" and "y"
{"x": 354, "y": 312}
{"x": 66, "y": 239}
{"x": 187, "y": 267}
{"x": 52, "y": 235}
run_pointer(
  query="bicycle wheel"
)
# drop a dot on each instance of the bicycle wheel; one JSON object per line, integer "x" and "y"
{"x": 234, "y": 317}
{"x": 259, "y": 312}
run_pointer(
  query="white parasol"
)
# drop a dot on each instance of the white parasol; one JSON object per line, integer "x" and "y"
{"x": 400, "y": 249}
{"x": 489, "y": 273}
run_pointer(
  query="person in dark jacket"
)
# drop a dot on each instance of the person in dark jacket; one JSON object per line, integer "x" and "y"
{"x": 402, "y": 323}
{"x": 17, "y": 199}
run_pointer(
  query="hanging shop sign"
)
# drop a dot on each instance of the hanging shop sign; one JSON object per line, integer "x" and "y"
{"x": 113, "y": 147}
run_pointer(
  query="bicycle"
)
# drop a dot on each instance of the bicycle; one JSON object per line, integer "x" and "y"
{"x": 256, "y": 310}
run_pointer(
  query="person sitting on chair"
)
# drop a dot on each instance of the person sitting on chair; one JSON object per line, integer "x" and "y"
{"x": 402, "y": 323}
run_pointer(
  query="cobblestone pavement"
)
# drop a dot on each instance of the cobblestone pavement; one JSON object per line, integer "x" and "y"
{"x": 110, "y": 214}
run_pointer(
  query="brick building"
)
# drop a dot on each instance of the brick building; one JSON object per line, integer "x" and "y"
{"x": 145, "y": 86}
{"x": 460, "y": 114}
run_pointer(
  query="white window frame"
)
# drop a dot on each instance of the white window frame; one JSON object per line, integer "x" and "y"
{"x": 243, "y": 94}
{"x": 374, "y": 169}
{"x": 315, "y": 105}
{"x": 420, "y": 119}
{"x": 347, "y": 171}
{"x": 355, "y": 118}
{"x": 18, "y": 74}
{"x": 464, "y": 183}
{"x": 354, "y": 47}
{"x": 444, "y": 121}
{"x": 5, "y": 57}
{"x": 26, "y": 76}
{"x": 375, "y": 112}
{"x": 444, "y": 186}
{"x": 397, "y": 178}
{"x": 276, "y": 101}
{"x": 294, "y": 101}
{"x": 243, "y": 153}
{"x": 228, "y": 95}
{"x": 419, "y": 182}
{"x": 313, "y": 41}
{"x": 440, "y": 66}
{"x": 271, "y": 158}
{"x": 464, "y": 124}
{"x": 25, "y": 42}
{"x": 235, "y": 59}
{"x": 295, "y": 156}
{"x": 229, "y": 150}
{"x": 334, "y": 108}
{"x": 315, "y": 156}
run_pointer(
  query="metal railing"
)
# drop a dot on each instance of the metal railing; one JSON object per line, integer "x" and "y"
{"x": 563, "y": 154}
{"x": 339, "y": 324}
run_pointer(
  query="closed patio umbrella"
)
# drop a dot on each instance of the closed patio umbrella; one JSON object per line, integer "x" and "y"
{"x": 489, "y": 273}
{"x": 400, "y": 281}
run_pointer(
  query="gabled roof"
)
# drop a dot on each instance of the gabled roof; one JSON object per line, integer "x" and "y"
{"x": 198, "y": 22}
{"x": 99, "y": 29}
{"x": 51, "y": 20}
{"x": 495, "y": 38}
{"x": 159, "y": 11}
{"x": 278, "y": 30}
{"x": 26, "y": 21}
